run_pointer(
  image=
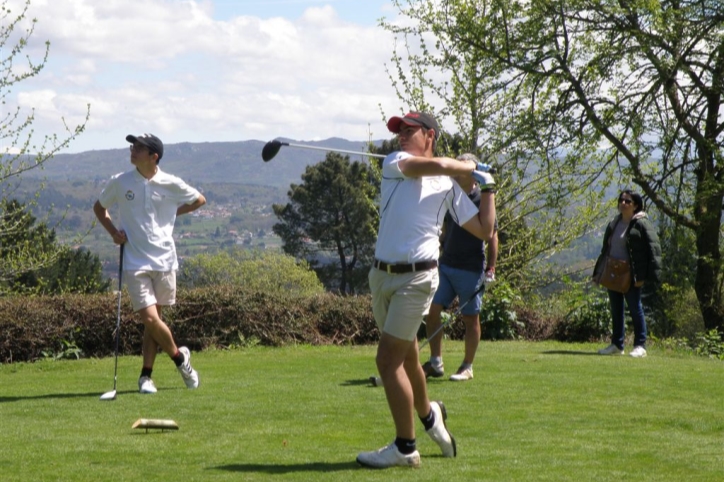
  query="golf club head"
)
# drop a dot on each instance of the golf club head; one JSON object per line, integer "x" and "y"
{"x": 270, "y": 150}
{"x": 109, "y": 395}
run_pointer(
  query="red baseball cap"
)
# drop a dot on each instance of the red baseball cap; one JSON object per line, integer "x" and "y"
{"x": 414, "y": 119}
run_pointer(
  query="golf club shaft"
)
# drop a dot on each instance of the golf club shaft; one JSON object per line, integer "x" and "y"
{"x": 452, "y": 317}
{"x": 118, "y": 317}
{"x": 328, "y": 149}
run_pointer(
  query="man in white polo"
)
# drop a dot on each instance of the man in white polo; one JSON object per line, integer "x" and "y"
{"x": 149, "y": 201}
{"x": 418, "y": 189}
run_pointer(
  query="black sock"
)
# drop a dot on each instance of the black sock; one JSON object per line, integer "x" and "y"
{"x": 178, "y": 358}
{"x": 429, "y": 421}
{"x": 405, "y": 446}
{"x": 146, "y": 372}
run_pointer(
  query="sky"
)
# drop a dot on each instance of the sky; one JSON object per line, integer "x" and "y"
{"x": 207, "y": 70}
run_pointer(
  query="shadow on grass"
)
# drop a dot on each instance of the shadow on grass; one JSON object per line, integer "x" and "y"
{"x": 357, "y": 383}
{"x": 570, "y": 352}
{"x": 287, "y": 469}
{"x": 51, "y": 396}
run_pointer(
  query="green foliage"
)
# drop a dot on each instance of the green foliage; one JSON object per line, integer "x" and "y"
{"x": 572, "y": 97}
{"x": 265, "y": 271}
{"x": 21, "y": 152}
{"x": 331, "y": 221}
{"x": 497, "y": 316}
{"x": 589, "y": 315}
{"x": 68, "y": 350}
{"x": 674, "y": 312}
{"x": 710, "y": 344}
{"x": 31, "y": 260}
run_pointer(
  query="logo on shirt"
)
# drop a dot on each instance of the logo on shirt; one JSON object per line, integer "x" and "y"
{"x": 129, "y": 195}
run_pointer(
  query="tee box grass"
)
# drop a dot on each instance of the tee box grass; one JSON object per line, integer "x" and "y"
{"x": 534, "y": 411}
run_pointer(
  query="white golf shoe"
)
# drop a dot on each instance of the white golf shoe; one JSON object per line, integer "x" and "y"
{"x": 389, "y": 456}
{"x": 462, "y": 374}
{"x": 439, "y": 432}
{"x": 638, "y": 352}
{"x": 146, "y": 385}
{"x": 190, "y": 376}
{"x": 610, "y": 350}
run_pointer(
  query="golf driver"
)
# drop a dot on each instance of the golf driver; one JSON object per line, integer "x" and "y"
{"x": 112, "y": 394}
{"x": 271, "y": 149}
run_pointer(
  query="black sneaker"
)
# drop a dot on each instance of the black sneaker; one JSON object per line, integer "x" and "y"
{"x": 432, "y": 370}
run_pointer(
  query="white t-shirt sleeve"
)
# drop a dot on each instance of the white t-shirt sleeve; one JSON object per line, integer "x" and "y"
{"x": 183, "y": 193}
{"x": 109, "y": 195}
{"x": 391, "y": 165}
{"x": 460, "y": 207}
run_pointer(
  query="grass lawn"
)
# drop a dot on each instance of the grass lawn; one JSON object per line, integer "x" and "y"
{"x": 535, "y": 411}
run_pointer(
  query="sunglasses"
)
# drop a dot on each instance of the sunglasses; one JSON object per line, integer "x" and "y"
{"x": 625, "y": 201}
{"x": 139, "y": 148}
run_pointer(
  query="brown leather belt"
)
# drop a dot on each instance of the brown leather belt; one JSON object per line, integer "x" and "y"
{"x": 405, "y": 268}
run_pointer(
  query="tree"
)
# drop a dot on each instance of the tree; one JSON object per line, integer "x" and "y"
{"x": 596, "y": 85}
{"x": 19, "y": 151}
{"x": 69, "y": 270}
{"x": 253, "y": 270}
{"x": 332, "y": 214}
{"x": 544, "y": 196}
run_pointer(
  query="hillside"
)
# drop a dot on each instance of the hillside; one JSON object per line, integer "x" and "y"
{"x": 209, "y": 162}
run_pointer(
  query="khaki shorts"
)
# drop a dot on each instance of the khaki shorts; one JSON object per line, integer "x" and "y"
{"x": 148, "y": 288}
{"x": 400, "y": 300}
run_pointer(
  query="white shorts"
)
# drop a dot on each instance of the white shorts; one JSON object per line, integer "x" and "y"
{"x": 400, "y": 300}
{"x": 148, "y": 288}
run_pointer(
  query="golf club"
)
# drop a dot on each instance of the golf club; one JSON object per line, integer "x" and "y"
{"x": 271, "y": 149}
{"x": 112, "y": 394}
{"x": 452, "y": 317}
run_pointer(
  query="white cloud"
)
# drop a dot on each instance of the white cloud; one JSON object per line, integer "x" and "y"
{"x": 167, "y": 66}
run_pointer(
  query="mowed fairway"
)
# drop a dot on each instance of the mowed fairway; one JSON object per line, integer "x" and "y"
{"x": 535, "y": 411}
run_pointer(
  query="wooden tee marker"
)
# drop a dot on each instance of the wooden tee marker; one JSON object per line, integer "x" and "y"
{"x": 150, "y": 423}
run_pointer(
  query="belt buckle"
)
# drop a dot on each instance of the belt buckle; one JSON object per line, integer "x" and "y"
{"x": 389, "y": 269}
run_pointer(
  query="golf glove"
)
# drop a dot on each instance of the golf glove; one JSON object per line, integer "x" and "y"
{"x": 486, "y": 181}
{"x": 481, "y": 166}
{"x": 489, "y": 275}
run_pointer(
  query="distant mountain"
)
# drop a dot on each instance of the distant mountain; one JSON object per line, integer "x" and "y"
{"x": 208, "y": 162}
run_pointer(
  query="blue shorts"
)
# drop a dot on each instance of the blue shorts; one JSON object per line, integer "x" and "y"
{"x": 461, "y": 283}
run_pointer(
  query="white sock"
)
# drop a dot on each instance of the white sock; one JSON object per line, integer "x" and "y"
{"x": 436, "y": 361}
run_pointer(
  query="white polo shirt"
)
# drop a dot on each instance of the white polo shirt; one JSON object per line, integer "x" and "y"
{"x": 412, "y": 211}
{"x": 147, "y": 215}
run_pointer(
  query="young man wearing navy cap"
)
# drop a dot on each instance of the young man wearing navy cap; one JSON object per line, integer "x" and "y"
{"x": 149, "y": 200}
{"x": 417, "y": 190}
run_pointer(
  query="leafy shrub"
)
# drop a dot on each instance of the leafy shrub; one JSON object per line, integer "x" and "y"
{"x": 588, "y": 319}
{"x": 253, "y": 270}
{"x": 221, "y": 316}
{"x": 499, "y": 319}
{"x": 710, "y": 344}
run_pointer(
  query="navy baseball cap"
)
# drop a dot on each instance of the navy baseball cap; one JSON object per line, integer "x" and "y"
{"x": 153, "y": 143}
{"x": 414, "y": 119}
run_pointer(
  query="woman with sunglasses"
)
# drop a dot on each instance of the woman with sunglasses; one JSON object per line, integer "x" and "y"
{"x": 632, "y": 237}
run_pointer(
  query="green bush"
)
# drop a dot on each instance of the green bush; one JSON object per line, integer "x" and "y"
{"x": 588, "y": 317}
{"x": 221, "y": 316}
{"x": 264, "y": 271}
{"x": 710, "y": 344}
{"x": 497, "y": 316}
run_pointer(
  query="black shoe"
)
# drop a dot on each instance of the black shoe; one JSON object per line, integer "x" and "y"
{"x": 433, "y": 371}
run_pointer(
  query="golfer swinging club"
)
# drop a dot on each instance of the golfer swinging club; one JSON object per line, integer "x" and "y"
{"x": 149, "y": 201}
{"x": 417, "y": 192}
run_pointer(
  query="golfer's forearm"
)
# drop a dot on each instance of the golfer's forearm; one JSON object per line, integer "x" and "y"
{"x": 105, "y": 219}
{"x": 187, "y": 208}
{"x": 435, "y": 166}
